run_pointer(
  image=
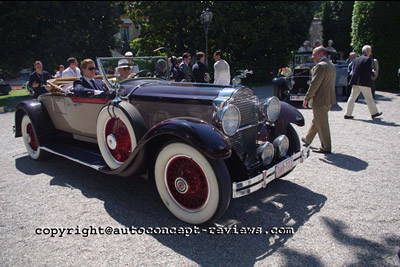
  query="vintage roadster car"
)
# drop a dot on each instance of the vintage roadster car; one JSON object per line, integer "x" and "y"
{"x": 292, "y": 82}
{"x": 204, "y": 144}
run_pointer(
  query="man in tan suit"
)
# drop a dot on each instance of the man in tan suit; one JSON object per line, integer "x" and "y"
{"x": 321, "y": 95}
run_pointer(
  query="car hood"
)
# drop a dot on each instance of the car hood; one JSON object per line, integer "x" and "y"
{"x": 175, "y": 90}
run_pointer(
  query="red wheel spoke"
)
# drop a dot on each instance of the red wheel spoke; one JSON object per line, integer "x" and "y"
{"x": 187, "y": 171}
{"x": 120, "y": 132}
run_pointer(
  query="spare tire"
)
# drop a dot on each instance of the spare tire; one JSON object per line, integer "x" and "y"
{"x": 119, "y": 128}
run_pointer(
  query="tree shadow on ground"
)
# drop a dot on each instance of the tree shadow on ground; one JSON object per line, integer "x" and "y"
{"x": 336, "y": 107}
{"x": 367, "y": 252}
{"x": 345, "y": 162}
{"x": 135, "y": 202}
{"x": 379, "y": 121}
{"x": 379, "y": 97}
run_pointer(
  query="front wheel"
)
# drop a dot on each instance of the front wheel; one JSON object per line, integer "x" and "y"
{"x": 30, "y": 139}
{"x": 294, "y": 144}
{"x": 194, "y": 189}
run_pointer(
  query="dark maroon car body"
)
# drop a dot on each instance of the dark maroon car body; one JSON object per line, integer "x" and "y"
{"x": 161, "y": 113}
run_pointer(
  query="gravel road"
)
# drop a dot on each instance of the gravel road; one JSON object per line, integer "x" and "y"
{"x": 341, "y": 209}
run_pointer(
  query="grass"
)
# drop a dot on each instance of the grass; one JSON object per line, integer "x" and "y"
{"x": 13, "y": 98}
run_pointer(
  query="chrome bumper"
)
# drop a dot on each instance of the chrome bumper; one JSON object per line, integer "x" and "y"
{"x": 260, "y": 181}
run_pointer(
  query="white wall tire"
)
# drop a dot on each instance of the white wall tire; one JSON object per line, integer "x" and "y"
{"x": 294, "y": 145}
{"x": 115, "y": 136}
{"x": 194, "y": 190}
{"x": 30, "y": 138}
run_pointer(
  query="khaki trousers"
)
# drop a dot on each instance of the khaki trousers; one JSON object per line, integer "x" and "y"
{"x": 366, "y": 91}
{"x": 320, "y": 125}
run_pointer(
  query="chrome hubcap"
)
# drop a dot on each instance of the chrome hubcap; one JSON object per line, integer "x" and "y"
{"x": 181, "y": 185}
{"x": 111, "y": 141}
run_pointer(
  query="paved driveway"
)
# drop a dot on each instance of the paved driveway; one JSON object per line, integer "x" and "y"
{"x": 334, "y": 210}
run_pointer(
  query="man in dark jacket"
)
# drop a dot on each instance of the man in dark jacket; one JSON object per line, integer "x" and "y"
{"x": 87, "y": 85}
{"x": 199, "y": 69}
{"x": 185, "y": 68}
{"x": 361, "y": 81}
{"x": 38, "y": 79}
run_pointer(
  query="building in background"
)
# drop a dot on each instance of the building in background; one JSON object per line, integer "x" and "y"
{"x": 316, "y": 31}
{"x": 127, "y": 32}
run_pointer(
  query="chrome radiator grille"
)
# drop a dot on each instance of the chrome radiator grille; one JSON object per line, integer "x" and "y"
{"x": 247, "y": 102}
{"x": 244, "y": 144}
{"x": 244, "y": 141}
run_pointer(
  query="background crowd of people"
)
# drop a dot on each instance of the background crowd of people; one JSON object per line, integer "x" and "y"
{"x": 181, "y": 69}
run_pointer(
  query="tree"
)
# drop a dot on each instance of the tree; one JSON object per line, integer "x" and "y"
{"x": 336, "y": 24}
{"x": 377, "y": 23}
{"x": 54, "y": 31}
{"x": 254, "y": 35}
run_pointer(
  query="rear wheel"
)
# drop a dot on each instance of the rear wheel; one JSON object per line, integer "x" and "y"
{"x": 30, "y": 139}
{"x": 194, "y": 189}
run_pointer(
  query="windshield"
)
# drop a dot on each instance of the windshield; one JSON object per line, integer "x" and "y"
{"x": 303, "y": 59}
{"x": 124, "y": 69}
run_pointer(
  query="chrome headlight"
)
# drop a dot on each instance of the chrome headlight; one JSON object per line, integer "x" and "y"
{"x": 281, "y": 143}
{"x": 266, "y": 152}
{"x": 272, "y": 108}
{"x": 230, "y": 119}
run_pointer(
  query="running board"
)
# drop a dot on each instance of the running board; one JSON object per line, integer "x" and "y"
{"x": 91, "y": 159}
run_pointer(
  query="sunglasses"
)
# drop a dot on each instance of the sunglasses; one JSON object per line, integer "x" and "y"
{"x": 91, "y": 68}
{"x": 127, "y": 68}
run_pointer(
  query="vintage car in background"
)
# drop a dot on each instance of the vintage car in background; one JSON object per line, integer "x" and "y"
{"x": 292, "y": 82}
{"x": 204, "y": 144}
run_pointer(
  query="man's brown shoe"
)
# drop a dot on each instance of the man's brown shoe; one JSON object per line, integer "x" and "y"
{"x": 376, "y": 115}
{"x": 348, "y": 117}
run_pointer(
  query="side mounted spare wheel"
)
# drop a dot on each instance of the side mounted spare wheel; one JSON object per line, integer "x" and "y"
{"x": 119, "y": 128}
{"x": 30, "y": 139}
{"x": 195, "y": 189}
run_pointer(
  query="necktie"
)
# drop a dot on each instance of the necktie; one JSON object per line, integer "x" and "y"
{"x": 94, "y": 85}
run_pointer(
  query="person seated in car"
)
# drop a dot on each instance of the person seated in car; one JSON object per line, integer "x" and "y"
{"x": 124, "y": 70}
{"x": 161, "y": 69}
{"x": 87, "y": 85}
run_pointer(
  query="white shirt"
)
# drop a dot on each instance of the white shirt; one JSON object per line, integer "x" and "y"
{"x": 68, "y": 72}
{"x": 222, "y": 74}
{"x": 58, "y": 74}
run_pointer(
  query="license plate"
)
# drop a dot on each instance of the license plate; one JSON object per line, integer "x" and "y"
{"x": 283, "y": 167}
{"x": 297, "y": 97}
